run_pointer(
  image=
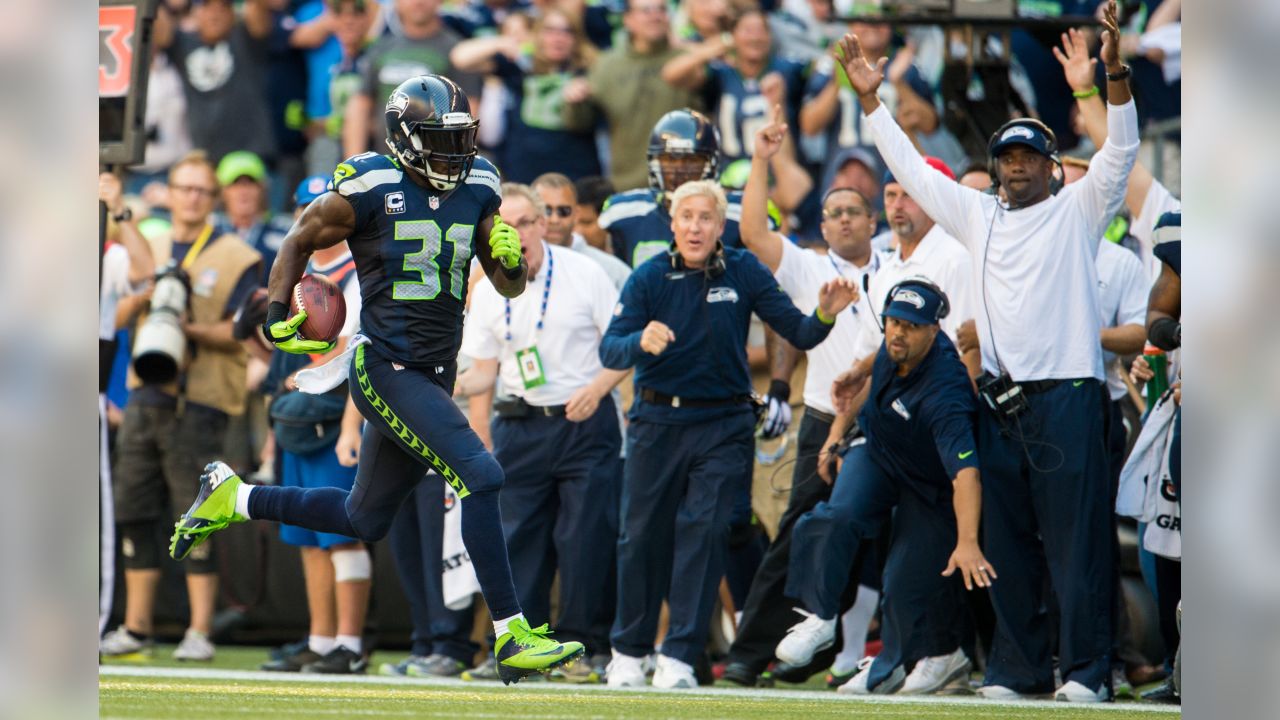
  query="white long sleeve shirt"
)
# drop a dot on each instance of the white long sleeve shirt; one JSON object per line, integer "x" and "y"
{"x": 1034, "y": 270}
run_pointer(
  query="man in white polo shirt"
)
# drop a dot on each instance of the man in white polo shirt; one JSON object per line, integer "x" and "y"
{"x": 848, "y": 221}
{"x": 1041, "y": 425}
{"x": 923, "y": 249}
{"x": 557, "y": 437}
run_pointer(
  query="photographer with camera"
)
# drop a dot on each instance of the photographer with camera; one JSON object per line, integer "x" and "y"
{"x": 1041, "y": 424}
{"x": 188, "y": 378}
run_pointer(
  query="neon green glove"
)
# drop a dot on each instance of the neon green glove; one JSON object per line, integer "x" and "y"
{"x": 504, "y": 243}
{"x": 284, "y": 333}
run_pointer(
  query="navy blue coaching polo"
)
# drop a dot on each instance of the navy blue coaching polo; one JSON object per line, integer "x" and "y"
{"x": 919, "y": 428}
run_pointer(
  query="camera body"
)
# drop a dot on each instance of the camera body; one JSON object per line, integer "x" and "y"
{"x": 161, "y": 345}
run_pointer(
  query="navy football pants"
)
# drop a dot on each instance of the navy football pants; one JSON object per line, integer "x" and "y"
{"x": 1047, "y": 507}
{"x": 923, "y": 611}
{"x": 417, "y": 544}
{"x": 678, "y": 488}
{"x": 413, "y": 426}
{"x": 560, "y": 511}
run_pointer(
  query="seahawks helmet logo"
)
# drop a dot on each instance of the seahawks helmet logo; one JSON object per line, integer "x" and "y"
{"x": 1018, "y": 131}
{"x": 910, "y": 297}
{"x": 399, "y": 102}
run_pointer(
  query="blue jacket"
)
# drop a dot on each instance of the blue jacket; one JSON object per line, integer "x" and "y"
{"x": 710, "y": 318}
{"x": 920, "y": 428}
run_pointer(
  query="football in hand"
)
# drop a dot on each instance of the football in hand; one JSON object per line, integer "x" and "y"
{"x": 325, "y": 306}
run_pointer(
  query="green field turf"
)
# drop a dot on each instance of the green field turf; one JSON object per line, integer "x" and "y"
{"x": 228, "y": 688}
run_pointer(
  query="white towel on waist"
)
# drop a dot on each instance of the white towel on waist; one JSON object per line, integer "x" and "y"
{"x": 330, "y": 375}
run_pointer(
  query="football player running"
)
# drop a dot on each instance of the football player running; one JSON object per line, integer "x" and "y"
{"x": 412, "y": 219}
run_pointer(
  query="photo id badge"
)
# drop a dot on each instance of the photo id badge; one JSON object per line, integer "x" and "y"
{"x": 531, "y": 367}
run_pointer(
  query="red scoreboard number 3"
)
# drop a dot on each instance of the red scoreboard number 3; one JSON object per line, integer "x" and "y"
{"x": 115, "y": 49}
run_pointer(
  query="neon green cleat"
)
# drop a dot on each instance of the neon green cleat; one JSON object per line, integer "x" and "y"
{"x": 213, "y": 510}
{"x": 523, "y": 651}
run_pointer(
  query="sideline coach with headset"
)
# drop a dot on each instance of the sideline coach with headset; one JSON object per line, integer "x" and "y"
{"x": 682, "y": 322}
{"x": 1041, "y": 423}
{"x": 916, "y": 464}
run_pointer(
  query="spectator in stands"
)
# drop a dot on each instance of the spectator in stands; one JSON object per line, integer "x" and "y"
{"x": 692, "y": 425}
{"x": 338, "y": 570}
{"x": 859, "y": 169}
{"x": 334, "y": 36}
{"x": 831, "y": 111}
{"x": 741, "y": 80}
{"x": 556, "y": 433}
{"x": 243, "y": 178}
{"x": 698, "y": 20}
{"x": 976, "y": 175}
{"x": 536, "y": 140}
{"x": 223, "y": 69}
{"x": 918, "y": 114}
{"x": 1043, "y": 460}
{"x": 161, "y": 450}
{"x": 560, "y": 199}
{"x": 624, "y": 87}
{"x": 848, "y": 220}
{"x": 592, "y": 192}
{"x": 166, "y": 126}
{"x": 421, "y": 47}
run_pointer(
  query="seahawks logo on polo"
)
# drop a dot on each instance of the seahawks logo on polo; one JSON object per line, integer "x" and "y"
{"x": 911, "y": 297}
{"x": 722, "y": 294}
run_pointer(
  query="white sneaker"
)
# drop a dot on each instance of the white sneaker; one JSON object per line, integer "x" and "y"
{"x": 119, "y": 643}
{"x": 806, "y": 638}
{"x": 934, "y": 673}
{"x": 1000, "y": 692}
{"x": 194, "y": 646}
{"x": 672, "y": 673}
{"x": 857, "y": 684}
{"x": 1077, "y": 693}
{"x": 625, "y": 671}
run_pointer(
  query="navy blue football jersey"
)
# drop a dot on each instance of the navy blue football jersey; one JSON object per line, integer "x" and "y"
{"x": 740, "y": 110}
{"x": 640, "y": 227}
{"x": 413, "y": 251}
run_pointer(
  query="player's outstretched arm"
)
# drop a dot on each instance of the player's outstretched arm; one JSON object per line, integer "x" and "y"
{"x": 504, "y": 264}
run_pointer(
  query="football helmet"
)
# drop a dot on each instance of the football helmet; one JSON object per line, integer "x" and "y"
{"x": 431, "y": 131}
{"x": 683, "y": 146}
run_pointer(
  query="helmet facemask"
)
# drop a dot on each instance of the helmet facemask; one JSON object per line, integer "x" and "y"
{"x": 669, "y": 170}
{"x": 441, "y": 152}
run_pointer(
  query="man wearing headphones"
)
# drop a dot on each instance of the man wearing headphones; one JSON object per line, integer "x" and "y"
{"x": 682, "y": 322}
{"x": 917, "y": 463}
{"x": 1041, "y": 428}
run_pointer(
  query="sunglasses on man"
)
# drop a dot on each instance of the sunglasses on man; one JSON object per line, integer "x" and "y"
{"x": 562, "y": 211}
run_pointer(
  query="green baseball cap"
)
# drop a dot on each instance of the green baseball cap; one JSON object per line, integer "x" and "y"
{"x": 238, "y": 164}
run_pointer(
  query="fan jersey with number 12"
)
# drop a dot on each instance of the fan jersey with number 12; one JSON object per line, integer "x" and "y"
{"x": 413, "y": 250}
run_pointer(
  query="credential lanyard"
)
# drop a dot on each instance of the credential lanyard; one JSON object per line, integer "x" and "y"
{"x": 546, "y": 293}
{"x": 197, "y": 246}
{"x": 874, "y": 262}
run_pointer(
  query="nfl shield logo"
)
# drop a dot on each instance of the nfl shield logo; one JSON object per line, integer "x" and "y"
{"x": 434, "y": 202}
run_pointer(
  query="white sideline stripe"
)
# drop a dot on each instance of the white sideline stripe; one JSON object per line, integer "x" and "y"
{"x": 748, "y": 693}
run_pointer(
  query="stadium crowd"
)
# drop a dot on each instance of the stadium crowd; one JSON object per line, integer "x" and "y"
{"x": 972, "y": 249}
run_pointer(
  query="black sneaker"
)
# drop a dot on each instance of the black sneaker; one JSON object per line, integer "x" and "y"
{"x": 288, "y": 649}
{"x": 339, "y": 661}
{"x": 294, "y": 662}
{"x": 1164, "y": 693}
{"x": 741, "y": 674}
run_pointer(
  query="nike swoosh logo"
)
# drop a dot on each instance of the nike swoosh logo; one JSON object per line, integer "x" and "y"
{"x": 558, "y": 649}
{"x": 964, "y": 455}
{"x": 1077, "y": 383}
